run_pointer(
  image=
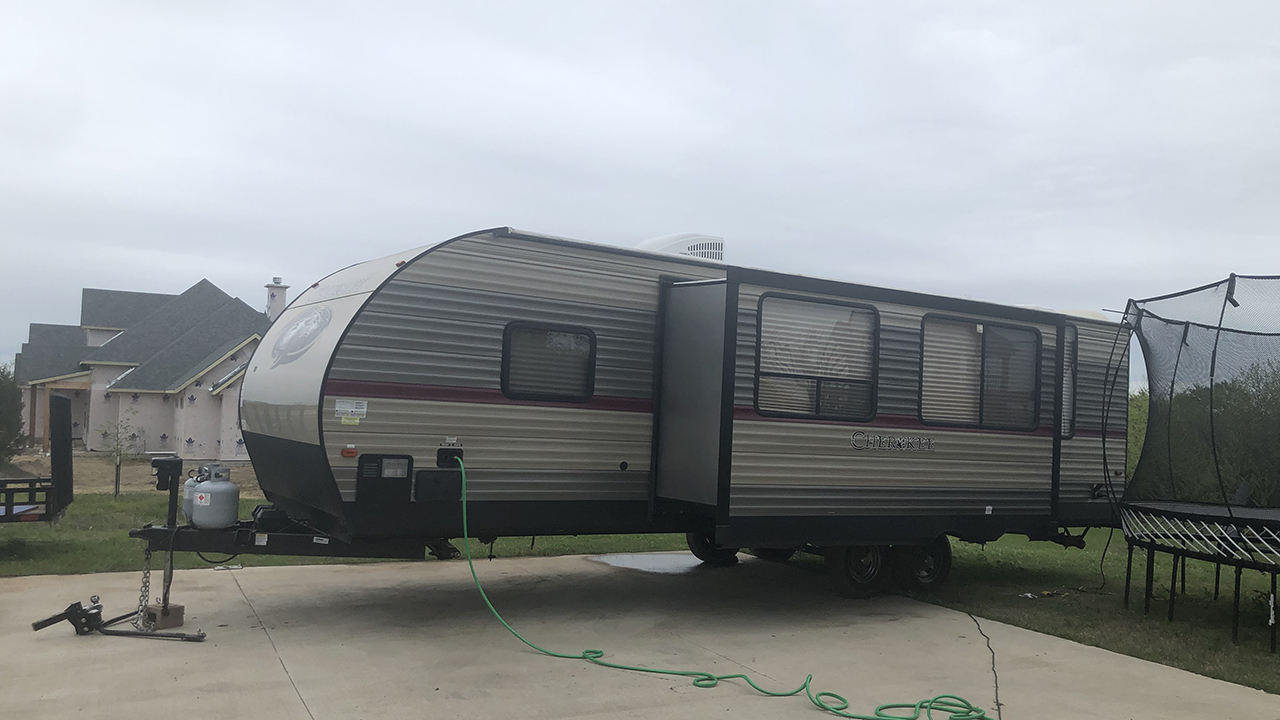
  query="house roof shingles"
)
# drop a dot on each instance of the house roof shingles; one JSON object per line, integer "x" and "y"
{"x": 45, "y": 334}
{"x": 39, "y": 362}
{"x": 154, "y": 332}
{"x": 170, "y": 339}
{"x": 117, "y": 309}
{"x": 195, "y": 351}
{"x": 50, "y": 351}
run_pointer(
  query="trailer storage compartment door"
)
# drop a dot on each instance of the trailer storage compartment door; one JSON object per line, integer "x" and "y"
{"x": 690, "y": 395}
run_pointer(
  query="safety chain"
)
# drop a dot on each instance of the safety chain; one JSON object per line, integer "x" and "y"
{"x": 140, "y": 620}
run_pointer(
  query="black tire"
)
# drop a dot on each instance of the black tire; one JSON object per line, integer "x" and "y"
{"x": 706, "y": 550}
{"x": 923, "y": 568}
{"x": 779, "y": 555}
{"x": 857, "y": 571}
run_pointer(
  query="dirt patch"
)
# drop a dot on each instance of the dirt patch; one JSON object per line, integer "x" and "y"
{"x": 9, "y": 472}
{"x": 95, "y": 473}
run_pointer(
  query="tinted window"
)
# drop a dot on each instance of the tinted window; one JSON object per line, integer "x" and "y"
{"x": 978, "y": 374}
{"x": 544, "y": 362}
{"x": 817, "y": 359}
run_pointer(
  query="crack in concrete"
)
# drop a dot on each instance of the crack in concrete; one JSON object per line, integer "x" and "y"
{"x": 272, "y": 640}
{"x": 726, "y": 658}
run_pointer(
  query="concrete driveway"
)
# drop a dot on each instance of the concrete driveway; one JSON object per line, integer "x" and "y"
{"x": 414, "y": 641}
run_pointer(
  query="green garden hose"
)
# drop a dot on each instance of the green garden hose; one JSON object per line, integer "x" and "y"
{"x": 956, "y": 707}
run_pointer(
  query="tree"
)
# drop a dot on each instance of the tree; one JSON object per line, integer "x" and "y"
{"x": 119, "y": 440}
{"x": 1138, "y": 403}
{"x": 1212, "y": 445}
{"x": 11, "y": 437}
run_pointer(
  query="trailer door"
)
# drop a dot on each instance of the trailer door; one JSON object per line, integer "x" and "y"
{"x": 690, "y": 395}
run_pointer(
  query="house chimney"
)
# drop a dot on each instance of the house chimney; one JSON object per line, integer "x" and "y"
{"x": 276, "y": 300}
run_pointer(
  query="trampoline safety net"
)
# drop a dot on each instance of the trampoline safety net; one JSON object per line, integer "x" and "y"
{"x": 1213, "y": 374}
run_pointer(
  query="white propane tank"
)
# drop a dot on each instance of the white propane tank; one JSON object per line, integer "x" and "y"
{"x": 215, "y": 503}
{"x": 188, "y": 492}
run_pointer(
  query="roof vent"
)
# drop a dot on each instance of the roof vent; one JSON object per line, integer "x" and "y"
{"x": 707, "y": 247}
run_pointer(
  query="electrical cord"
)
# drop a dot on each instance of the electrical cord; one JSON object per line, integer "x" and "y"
{"x": 1102, "y": 563}
{"x": 217, "y": 562}
{"x": 955, "y": 707}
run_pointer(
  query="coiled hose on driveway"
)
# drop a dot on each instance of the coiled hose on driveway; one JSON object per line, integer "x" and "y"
{"x": 950, "y": 707}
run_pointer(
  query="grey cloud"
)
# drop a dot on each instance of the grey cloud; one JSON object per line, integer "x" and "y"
{"x": 1065, "y": 155}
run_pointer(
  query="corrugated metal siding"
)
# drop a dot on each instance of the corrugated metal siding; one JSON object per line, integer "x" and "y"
{"x": 572, "y": 274}
{"x": 1096, "y": 342}
{"x": 440, "y": 322}
{"x": 1082, "y": 467}
{"x": 791, "y": 468}
{"x": 810, "y": 468}
{"x": 509, "y": 448}
{"x": 952, "y": 365}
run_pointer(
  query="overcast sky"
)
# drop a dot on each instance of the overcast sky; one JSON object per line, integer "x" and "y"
{"x": 1068, "y": 155}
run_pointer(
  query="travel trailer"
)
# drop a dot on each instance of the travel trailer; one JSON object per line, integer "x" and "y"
{"x": 595, "y": 389}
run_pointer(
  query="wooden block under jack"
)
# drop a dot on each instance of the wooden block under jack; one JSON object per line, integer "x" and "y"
{"x": 162, "y": 621}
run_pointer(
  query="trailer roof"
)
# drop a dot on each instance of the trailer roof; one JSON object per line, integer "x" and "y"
{"x": 807, "y": 283}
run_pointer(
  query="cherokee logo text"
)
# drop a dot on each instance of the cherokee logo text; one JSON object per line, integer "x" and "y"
{"x": 867, "y": 441}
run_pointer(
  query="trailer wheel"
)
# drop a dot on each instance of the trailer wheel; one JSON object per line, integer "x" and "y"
{"x": 779, "y": 555}
{"x": 857, "y": 571}
{"x": 924, "y": 568}
{"x": 706, "y": 550}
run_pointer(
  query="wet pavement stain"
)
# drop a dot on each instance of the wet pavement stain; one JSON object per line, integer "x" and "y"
{"x": 659, "y": 563}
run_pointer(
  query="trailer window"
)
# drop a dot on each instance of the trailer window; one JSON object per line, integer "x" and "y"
{"x": 979, "y": 374}
{"x": 816, "y": 359}
{"x": 548, "y": 362}
{"x": 1071, "y": 349}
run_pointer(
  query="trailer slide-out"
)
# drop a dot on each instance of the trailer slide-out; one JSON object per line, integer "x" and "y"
{"x": 596, "y": 389}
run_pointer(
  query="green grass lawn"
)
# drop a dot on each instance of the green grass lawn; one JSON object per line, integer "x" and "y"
{"x": 93, "y": 537}
{"x": 989, "y": 581}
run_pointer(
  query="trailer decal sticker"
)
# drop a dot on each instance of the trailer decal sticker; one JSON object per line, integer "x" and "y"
{"x": 347, "y": 420}
{"x": 300, "y": 335}
{"x": 350, "y": 409}
{"x": 866, "y": 441}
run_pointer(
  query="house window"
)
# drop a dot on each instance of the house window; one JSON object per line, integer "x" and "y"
{"x": 979, "y": 374}
{"x": 816, "y": 359}
{"x": 548, "y": 362}
{"x": 1071, "y": 350}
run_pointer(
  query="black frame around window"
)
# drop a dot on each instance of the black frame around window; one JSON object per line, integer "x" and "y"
{"x": 872, "y": 383}
{"x": 518, "y": 394}
{"x": 1071, "y": 351}
{"x": 1037, "y": 388}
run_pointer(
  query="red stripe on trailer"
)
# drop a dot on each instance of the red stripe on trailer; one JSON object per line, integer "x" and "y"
{"x": 901, "y": 422}
{"x": 443, "y": 393}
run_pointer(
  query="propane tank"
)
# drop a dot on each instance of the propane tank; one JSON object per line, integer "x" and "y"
{"x": 188, "y": 492}
{"x": 215, "y": 503}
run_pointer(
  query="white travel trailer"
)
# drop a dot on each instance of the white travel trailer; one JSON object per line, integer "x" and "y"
{"x": 596, "y": 389}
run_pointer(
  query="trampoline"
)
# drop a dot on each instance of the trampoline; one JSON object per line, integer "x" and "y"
{"x": 1207, "y": 484}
